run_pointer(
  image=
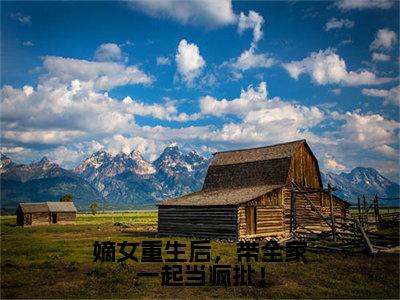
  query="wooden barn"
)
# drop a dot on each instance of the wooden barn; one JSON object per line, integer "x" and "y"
{"x": 252, "y": 193}
{"x": 44, "y": 213}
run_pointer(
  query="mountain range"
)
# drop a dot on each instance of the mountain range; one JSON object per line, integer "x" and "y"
{"x": 128, "y": 181}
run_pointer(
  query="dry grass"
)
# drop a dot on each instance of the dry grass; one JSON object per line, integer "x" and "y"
{"x": 57, "y": 262}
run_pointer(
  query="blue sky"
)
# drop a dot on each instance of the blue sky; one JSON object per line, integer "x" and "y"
{"x": 77, "y": 77}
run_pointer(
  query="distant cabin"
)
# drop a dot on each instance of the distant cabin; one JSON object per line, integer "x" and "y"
{"x": 44, "y": 213}
{"x": 247, "y": 194}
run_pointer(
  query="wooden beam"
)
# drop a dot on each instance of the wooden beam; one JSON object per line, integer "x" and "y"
{"x": 293, "y": 225}
{"x": 332, "y": 212}
{"x": 366, "y": 240}
{"x": 316, "y": 209}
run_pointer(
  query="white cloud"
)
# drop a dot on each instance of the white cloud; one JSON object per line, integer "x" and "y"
{"x": 333, "y": 165}
{"x": 327, "y": 67}
{"x": 364, "y": 4}
{"x": 100, "y": 75}
{"x": 209, "y": 13}
{"x": 334, "y": 23}
{"x": 391, "y": 96}
{"x": 261, "y": 119}
{"x": 386, "y": 151}
{"x": 67, "y": 105}
{"x": 367, "y": 131}
{"x": 108, "y": 52}
{"x": 385, "y": 39}
{"x": 27, "y": 44}
{"x": 249, "y": 59}
{"x": 66, "y": 156}
{"x": 21, "y": 18}
{"x": 189, "y": 61}
{"x": 380, "y": 57}
{"x": 162, "y": 60}
{"x": 252, "y": 21}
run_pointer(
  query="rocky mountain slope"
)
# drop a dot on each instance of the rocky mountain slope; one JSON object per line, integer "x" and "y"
{"x": 42, "y": 181}
{"x": 361, "y": 181}
{"x": 130, "y": 181}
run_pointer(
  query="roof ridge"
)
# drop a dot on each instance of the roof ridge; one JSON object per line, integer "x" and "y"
{"x": 262, "y": 147}
{"x": 253, "y": 161}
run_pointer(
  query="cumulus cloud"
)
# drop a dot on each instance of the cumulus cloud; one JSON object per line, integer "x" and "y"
{"x": 380, "y": 57}
{"x": 189, "y": 61}
{"x": 386, "y": 151}
{"x": 364, "y": 4}
{"x": 71, "y": 103}
{"x": 333, "y": 165}
{"x": 391, "y": 96}
{"x": 334, "y": 23}
{"x": 26, "y": 20}
{"x": 385, "y": 39}
{"x": 249, "y": 59}
{"x": 162, "y": 60}
{"x": 209, "y": 13}
{"x": 252, "y": 21}
{"x": 367, "y": 130}
{"x": 108, "y": 52}
{"x": 262, "y": 119}
{"x": 100, "y": 75}
{"x": 27, "y": 44}
{"x": 327, "y": 67}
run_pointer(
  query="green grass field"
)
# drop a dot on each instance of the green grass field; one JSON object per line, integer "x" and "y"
{"x": 57, "y": 262}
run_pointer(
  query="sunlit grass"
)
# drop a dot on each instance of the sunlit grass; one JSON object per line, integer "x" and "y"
{"x": 56, "y": 261}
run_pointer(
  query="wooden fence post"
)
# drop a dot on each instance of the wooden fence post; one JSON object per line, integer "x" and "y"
{"x": 359, "y": 208}
{"x": 332, "y": 213}
{"x": 365, "y": 214}
{"x": 376, "y": 210}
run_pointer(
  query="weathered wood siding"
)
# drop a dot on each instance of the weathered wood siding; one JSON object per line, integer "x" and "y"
{"x": 66, "y": 217}
{"x": 202, "y": 221}
{"x": 304, "y": 214}
{"x": 304, "y": 169}
{"x": 269, "y": 216}
{"x": 44, "y": 218}
{"x": 39, "y": 218}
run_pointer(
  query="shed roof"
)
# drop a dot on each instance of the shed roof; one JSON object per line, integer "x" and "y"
{"x": 61, "y": 206}
{"x": 231, "y": 196}
{"x": 34, "y": 207}
{"x": 48, "y": 207}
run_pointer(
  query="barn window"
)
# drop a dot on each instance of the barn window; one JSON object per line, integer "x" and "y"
{"x": 251, "y": 219}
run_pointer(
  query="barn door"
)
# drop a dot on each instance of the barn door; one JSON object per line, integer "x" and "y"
{"x": 54, "y": 218}
{"x": 251, "y": 219}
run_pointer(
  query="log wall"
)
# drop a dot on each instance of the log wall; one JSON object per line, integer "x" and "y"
{"x": 304, "y": 214}
{"x": 44, "y": 218}
{"x": 203, "y": 221}
{"x": 40, "y": 218}
{"x": 269, "y": 216}
{"x": 66, "y": 217}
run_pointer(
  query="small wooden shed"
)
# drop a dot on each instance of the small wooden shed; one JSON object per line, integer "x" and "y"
{"x": 44, "y": 213}
{"x": 249, "y": 193}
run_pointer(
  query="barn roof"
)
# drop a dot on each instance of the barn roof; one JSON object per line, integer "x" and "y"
{"x": 231, "y": 196}
{"x": 284, "y": 150}
{"x": 48, "y": 207}
{"x": 268, "y": 165}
